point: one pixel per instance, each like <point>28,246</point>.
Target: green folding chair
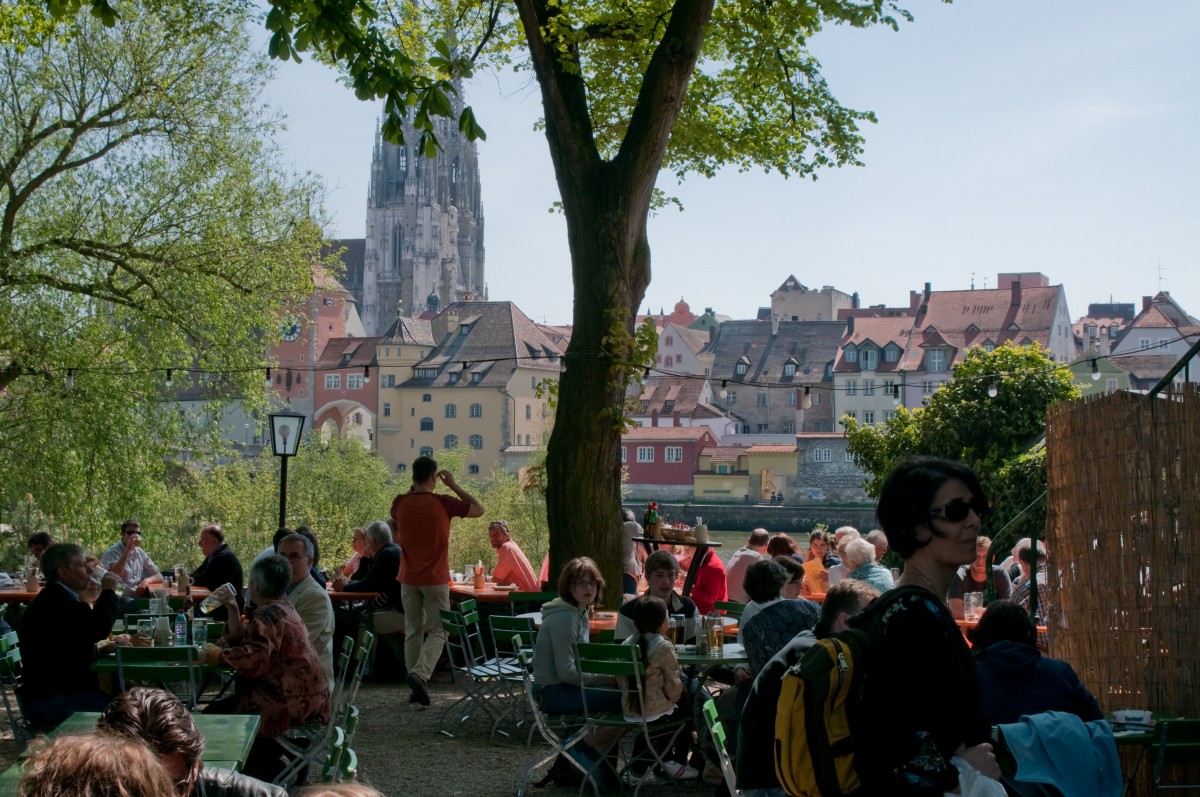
<point>10,681</point>
<point>170,668</point>
<point>730,608</point>
<point>1178,744</point>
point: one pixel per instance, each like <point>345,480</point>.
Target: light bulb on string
<point>268,377</point>
<point>992,391</point>
<point>366,374</point>
<point>70,380</point>
<point>170,381</point>
<point>806,402</point>
<point>1095,370</point>
<point>896,394</point>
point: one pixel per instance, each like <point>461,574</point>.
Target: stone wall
<point>794,520</point>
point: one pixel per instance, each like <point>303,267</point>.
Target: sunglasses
<point>958,509</point>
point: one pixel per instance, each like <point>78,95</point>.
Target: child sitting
<point>662,686</point>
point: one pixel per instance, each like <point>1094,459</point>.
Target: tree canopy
<point>145,225</point>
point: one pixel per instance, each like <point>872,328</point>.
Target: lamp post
<point>285,439</point>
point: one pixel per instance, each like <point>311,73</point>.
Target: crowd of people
<point>281,630</point>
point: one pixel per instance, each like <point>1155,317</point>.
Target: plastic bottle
<point>181,629</point>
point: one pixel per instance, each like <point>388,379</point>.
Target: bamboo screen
<point>1123,509</point>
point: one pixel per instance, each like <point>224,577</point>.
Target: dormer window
<point>891,354</point>
<point>935,360</point>
<point>789,369</point>
<point>453,377</point>
<point>742,366</point>
<point>869,358</point>
<point>851,354</point>
<point>476,377</point>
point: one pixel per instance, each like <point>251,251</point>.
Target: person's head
<point>96,766</point>
<point>1003,621</point>
<point>38,542</point>
<point>843,600</point>
<point>424,470</point>
<point>1029,554</point>
<point>297,550</point>
<point>580,582</point>
<point>65,563</point>
<point>795,572</point>
<point>129,528</point>
<point>211,537</point>
<point>841,533</point>
<point>929,501</point>
<point>161,721</point>
<point>758,540</point>
<point>312,538</point>
<point>764,580</point>
<point>858,553</point>
<point>498,533</point>
<point>649,614</point>
<point>661,569</point>
<point>377,535</point>
<point>781,545</point>
<point>818,544</point>
<point>280,533</point>
<point>357,538</point>
<point>879,540</point>
<point>979,567</point>
<point>351,789</point>
<point>628,516</point>
<point>269,578</point>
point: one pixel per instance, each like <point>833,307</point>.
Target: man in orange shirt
<point>511,565</point>
<point>421,519</point>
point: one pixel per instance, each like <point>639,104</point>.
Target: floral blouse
<point>279,675</point>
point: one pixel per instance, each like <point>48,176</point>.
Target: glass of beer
<point>217,599</point>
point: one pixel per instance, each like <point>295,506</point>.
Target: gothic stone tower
<point>424,227</point>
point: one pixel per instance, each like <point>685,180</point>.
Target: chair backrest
<point>505,629</point>
<point>730,608</point>
<point>523,602</point>
<point>1178,743</point>
<point>349,693</point>
<point>621,662</point>
<point>168,665</point>
<point>10,679</point>
<point>464,638</point>
<point>717,730</point>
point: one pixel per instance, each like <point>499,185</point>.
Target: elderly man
<point>421,518</point>
<point>59,633</point>
<point>735,572</point>
<point>386,615</point>
<point>661,571</point>
<point>159,720</point>
<point>130,561</point>
<point>310,599</point>
<point>220,566</point>
<point>511,565</point>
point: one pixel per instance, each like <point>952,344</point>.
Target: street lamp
<point>285,439</point>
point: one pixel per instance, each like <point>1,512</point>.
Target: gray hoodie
<point>554,654</point>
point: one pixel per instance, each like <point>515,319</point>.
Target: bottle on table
<point>181,630</point>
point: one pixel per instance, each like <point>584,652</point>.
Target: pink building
<point>664,454</point>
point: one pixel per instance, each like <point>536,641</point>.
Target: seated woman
<point>770,620</point>
<point>782,545</point>
<point>662,684</point>
<point>350,570</point>
<point>279,675</point>
<point>1015,679</point>
<point>795,571</point>
<point>860,561</point>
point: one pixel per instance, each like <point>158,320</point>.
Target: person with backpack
<point>922,694</point>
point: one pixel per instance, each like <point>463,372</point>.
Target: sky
<point>1053,136</point>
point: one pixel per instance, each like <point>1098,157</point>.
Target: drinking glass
<point>972,605</point>
<point>98,574</point>
<point>199,632</point>
<point>145,628</point>
<point>217,599</point>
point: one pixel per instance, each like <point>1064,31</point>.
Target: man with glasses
<point>130,562</point>
<point>512,567</point>
<point>310,599</point>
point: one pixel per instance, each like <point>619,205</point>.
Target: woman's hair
<point>158,719</point>
<point>1003,621</point>
<point>781,545</point>
<point>94,766</point>
<point>906,495</point>
<point>340,790</point>
<point>794,569</point>
<point>764,580</point>
<point>819,534</point>
<point>661,560</point>
<point>858,552</point>
<point>648,614</point>
<point>271,575</point>
<point>582,567</point>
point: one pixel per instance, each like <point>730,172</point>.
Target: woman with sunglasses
<point>924,694</point>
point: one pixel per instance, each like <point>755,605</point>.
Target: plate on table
<point>507,587</point>
<point>685,648</point>
<point>605,615</point>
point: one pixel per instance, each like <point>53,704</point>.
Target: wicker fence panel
<point>1123,507</point>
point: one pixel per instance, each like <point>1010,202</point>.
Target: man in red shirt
<point>421,519</point>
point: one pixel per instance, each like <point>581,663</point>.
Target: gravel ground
<point>401,752</point>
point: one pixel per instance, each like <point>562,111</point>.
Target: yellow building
<point>466,378</point>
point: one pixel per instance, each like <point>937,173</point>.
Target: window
<point>476,410</point>
<point>426,397</point>
<point>889,388</point>
<point>868,387</point>
<point>760,398</point>
<point>851,354</point>
<point>476,377</point>
<point>789,427</point>
<point>387,408</point>
<point>740,370</point>
<point>645,454</point>
<point>927,387</point>
<point>354,381</point>
<point>674,454</point>
<point>989,347</point>
<point>731,397</point>
<point>427,451</point>
<point>761,428</point>
<point>333,381</point>
<point>473,470</point>
<point>791,398</point>
<point>849,457</point>
<point>528,412</point>
<point>888,415</point>
<point>853,414</point>
<point>450,441</point>
<point>670,340</point>
<point>412,411</point>
<point>401,467</point>
<point>426,373</point>
<point>454,377</point>
<point>851,387</point>
<point>624,455</point>
<point>869,417</point>
<point>891,354</point>
<point>822,455</point>
<point>1144,343</point>
<point>869,358</point>
<point>427,424</point>
<point>789,369</point>
<point>935,360</point>
<point>451,410</point>
<point>476,442</point>
<point>389,380</point>
<point>1112,386</point>
<point>816,397</point>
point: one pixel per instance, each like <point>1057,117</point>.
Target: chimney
<point>774,325</point>
<point>849,325</point>
<point>928,290</point>
<point>712,333</point>
<point>1016,294</point>
<point>675,419</point>
<point>654,417</point>
<point>854,300</point>
<point>1146,302</point>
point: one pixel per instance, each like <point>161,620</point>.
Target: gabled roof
<point>1162,310</point>
<point>724,453</point>
<point>481,344</point>
<point>348,353</point>
<point>408,331</point>
<point>771,448</point>
<point>658,390</point>
<point>694,339</point>
<point>812,343</point>
<point>877,331</point>
<point>789,285</point>
<point>661,433</point>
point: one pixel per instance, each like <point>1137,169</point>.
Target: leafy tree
<point>627,89</point>
<point>144,225</point>
<point>996,435</point>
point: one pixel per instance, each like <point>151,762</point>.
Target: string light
<point>992,391</point>
<point>268,379</point>
<point>170,381</point>
<point>70,381</point>
<point>366,374</point>
<point>806,402</point>
<point>1095,369</point>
